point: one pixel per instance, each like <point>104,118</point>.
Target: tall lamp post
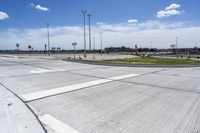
<point>177,47</point>
<point>74,44</point>
<point>101,43</point>
<point>90,47</point>
<point>93,48</point>
<point>150,47</point>
<point>94,44</point>
<point>84,14</point>
<point>48,40</point>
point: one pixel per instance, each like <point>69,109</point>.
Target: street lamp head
<point>89,15</point>
<point>84,11</point>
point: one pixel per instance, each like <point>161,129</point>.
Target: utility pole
<point>177,47</point>
<point>49,52</point>
<point>84,13</point>
<point>150,47</point>
<point>90,47</point>
<point>101,42</point>
<point>93,48</point>
<point>94,43</point>
<point>74,44</point>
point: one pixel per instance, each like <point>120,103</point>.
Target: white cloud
<point>31,4</point>
<point>100,23</point>
<point>162,35</point>
<point>170,11</point>
<point>41,8</point>
<point>132,21</point>
<point>124,27</point>
<point>38,7</point>
<point>3,15</point>
<point>173,7</point>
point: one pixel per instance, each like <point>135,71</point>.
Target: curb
<point>19,117</point>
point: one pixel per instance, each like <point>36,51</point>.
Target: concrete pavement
<point>81,98</point>
<point>15,116</point>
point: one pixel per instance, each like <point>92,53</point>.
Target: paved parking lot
<point>80,98</point>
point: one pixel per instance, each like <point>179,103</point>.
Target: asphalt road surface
<point>40,94</point>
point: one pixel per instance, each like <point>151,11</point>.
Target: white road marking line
<point>124,76</point>
<point>67,62</point>
<point>40,70</point>
<point>56,125</point>
<point>51,92</point>
<point>60,70</point>
<point>45,93</point>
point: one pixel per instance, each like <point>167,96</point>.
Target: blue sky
<point>67,12</point>
<point>21,16</point>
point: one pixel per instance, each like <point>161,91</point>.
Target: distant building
<point>118,49</point>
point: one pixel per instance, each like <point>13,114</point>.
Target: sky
<point>122,22</point>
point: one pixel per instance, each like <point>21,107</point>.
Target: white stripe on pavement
<point>56,125</point>
<point>124,76</point>
<point>41,70</point>
<point>51,92</point>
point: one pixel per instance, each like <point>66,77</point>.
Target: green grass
<point>150,60</point>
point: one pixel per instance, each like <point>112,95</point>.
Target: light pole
<point>94,43</point>
<point>90,47</point>
<point>101,42</point>
<point>93,48</point>
<point>74,44</point>
<point>150,47</point>
<point>177,47</point>
<point>48,40</point>
<point>84,13</point>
